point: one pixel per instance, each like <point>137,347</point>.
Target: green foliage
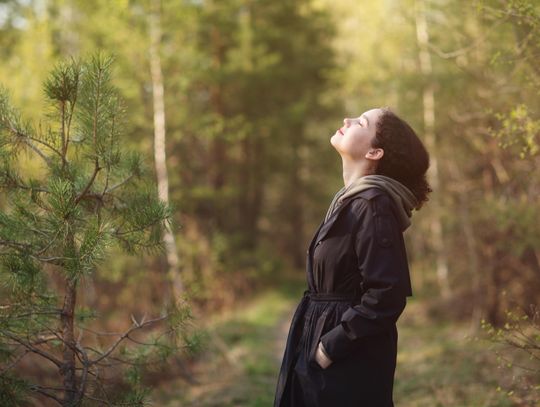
<point>141,228</point>
<point>90,196</point>
<point>14,131</point>
<point>63,85</point>
<point>519,128</point>
<point>521,355</point>
<point>13,391</point>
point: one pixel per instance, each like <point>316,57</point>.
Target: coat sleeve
<point>383,266</point>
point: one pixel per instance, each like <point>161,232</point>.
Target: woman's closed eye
<point>357,121</point>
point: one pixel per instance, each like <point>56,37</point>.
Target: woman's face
<point>354,138</point>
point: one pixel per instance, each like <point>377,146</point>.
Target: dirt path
<point>280,339</point>
<point>241,364</point>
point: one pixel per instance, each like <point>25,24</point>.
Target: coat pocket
<point>316,337</point>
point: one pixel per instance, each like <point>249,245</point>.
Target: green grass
<point>241,364</point>
<point>438,364</point>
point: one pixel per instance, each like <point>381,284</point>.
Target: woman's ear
<point>375,154</point>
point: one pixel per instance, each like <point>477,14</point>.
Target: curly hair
<point>405,158</point>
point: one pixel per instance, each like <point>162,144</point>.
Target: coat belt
<point>314,296</point>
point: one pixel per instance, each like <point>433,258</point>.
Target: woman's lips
<point>340,131</point>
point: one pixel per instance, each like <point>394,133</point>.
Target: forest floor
<point>439,364</point>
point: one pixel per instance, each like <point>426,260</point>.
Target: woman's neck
<point>353,170</point>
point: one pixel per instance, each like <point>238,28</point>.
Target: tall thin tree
<point>428,102</point>
<point>160,157</point>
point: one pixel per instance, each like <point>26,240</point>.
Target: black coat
<point>358,281</point>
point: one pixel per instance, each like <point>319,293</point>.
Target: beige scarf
<point>403,197</point>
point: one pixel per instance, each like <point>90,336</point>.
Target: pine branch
<point>55,260</point>
<point>89,184</point>
<point>16,245</point>
<point>68,130</point>
<point>10,120</point>
<point>28,141</point>
<point>49,244</point>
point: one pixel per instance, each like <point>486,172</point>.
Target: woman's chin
<point>334,141</point>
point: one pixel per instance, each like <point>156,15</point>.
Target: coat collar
<point>323,228</point>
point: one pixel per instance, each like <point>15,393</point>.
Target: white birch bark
<point>160,159</point>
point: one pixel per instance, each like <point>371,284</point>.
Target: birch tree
<point>160,157</point>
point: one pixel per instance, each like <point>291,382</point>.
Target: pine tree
<point>90,195</point>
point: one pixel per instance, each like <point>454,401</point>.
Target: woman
<point>342,344</point>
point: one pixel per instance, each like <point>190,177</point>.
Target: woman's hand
<point>320,356</point>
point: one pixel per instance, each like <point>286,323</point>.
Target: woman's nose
<point>346,122</point>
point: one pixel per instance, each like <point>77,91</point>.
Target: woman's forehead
<point>372,112</point>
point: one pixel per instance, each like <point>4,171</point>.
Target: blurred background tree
<point>254,89</point>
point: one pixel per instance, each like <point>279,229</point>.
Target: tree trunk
<point>173,263</point>
<point>295,212</point>
<point>494,292</point>
<point>428,99</point>
<point>471,244</point>
<point>219,153</point>
<point>245,204</point>
<point>67,370</point>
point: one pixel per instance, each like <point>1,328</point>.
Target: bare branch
<point>86,396</point>
<point>41,390</point>
<point>118,185</point>
<point>464,50</point>
<point>37,151</point>
<point>29,314</point>
<point>41,141</point>
<point>14,362</point>
<point>37,140</point>
<point>100,333</point>
<point>101,388</point>
<point>27,139</point>
<point>32,348</point>
<point>22,186</point>
<point>124,336</point>
<point>134,321</point>
<point>84,376</point>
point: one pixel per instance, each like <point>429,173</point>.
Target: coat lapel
<point>321,232</point>
<point>314,238</point>
<point>325,227</point>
